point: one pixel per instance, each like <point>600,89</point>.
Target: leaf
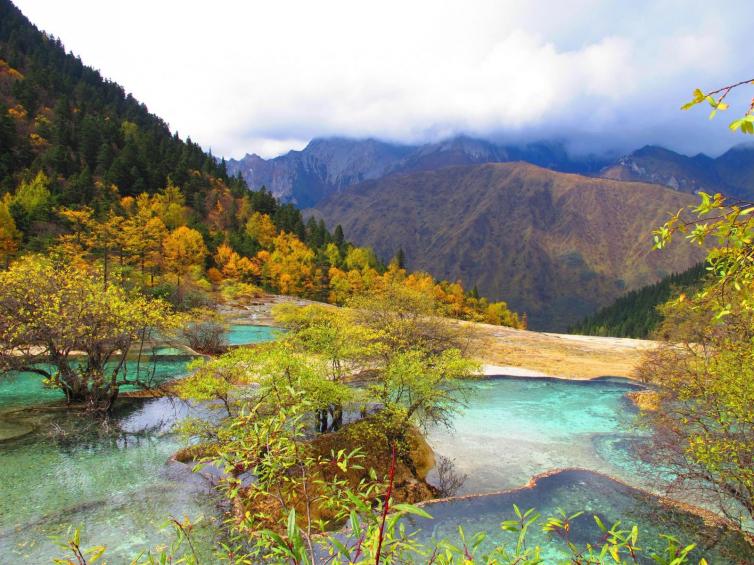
<point>96,552</point>
<point>292,529</point>
<point>600,525</point>
<point>411,509</point>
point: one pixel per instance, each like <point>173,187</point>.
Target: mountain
<point>61,116</point>
<point>732,173</point>
<point>331,165</point>
<point>557,246</point>
<point>324,166</point>
<point>88,173</point>
<point>635,314</point>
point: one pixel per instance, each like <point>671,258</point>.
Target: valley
<point>360,343</point>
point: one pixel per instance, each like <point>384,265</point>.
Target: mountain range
<point>557,236</point>
<point>331,165</point>
<point>554,245</point>
<point>732,173</point>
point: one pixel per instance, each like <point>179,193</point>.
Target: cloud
<point>268,76</point>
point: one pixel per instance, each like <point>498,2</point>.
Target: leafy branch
<point>716,100</point>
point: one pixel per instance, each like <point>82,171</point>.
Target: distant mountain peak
<point>731,173</point>
<point>328,165</point>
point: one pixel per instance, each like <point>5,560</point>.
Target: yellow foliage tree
<point>261,227</point>
<point>144,233</point>
<point>184,248</point>
<point>291,267</point>
<point>51,313</point>
<point>360,258</point>
<point>9,234</point>
<point>171,206</point>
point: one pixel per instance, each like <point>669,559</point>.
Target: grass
<point>561,355</point>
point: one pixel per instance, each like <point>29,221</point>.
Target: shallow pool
<point>245,334</point>
<point>515,428</point>
<point>114,481</point>
<point>24,389</point>
<point>580,491</point>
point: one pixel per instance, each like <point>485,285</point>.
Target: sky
<point>266,77</point>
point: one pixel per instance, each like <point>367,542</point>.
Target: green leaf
<point>411,509</point>
<point>600,525</point>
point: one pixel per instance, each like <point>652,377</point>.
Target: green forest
<point>636,313</point>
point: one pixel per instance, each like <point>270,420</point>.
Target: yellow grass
<point>559,355</point>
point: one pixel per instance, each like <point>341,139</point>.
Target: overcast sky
<point>266,77</point>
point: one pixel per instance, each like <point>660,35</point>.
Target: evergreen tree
<point>338,238</point>
<point>635,314</point>
<point>400,258</point>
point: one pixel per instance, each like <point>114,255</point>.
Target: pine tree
<point>338,238</point>
<point>400,258</point>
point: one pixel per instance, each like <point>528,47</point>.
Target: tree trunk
<point>337,417</point>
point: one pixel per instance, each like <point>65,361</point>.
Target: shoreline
<point>516,372</point>
<point>709,517</point>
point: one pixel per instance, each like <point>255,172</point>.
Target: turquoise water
<point>25,389</point>
<point>244,334</point>
<point>514,429</point>
<point>576,491</point>
<point>114,481</point>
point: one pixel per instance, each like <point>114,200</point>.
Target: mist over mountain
<point>330,165</point>
<point>732,173</point>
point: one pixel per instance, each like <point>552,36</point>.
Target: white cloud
<point>267,76</point>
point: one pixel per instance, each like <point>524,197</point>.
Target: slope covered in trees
<point>88,175</point>
<point>557,246</point>
<point>636,314</point>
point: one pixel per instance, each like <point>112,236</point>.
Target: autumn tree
<point>50,313</point>
<point>703,374</point>
<point>261,228</point>
<point>170,205</point>
<point>703,370</point>
<point>360,258</point>
<point>9,235</point>
<point>144,233</point>
<point>32,201</point>
<point>184,248</point>
<point>89,237</point>
<point>234,267</point>
<point>330,334</point>
<point>291,266</point>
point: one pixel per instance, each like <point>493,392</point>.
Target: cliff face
<point>325,166</point>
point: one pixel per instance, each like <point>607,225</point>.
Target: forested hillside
<point>89,175</point>
<point>636,314</point>
<point>557,246</point>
